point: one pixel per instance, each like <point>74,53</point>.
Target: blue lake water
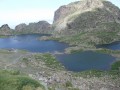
<point>86,60</point>
<point>73,62</point>
<point>31,43</point>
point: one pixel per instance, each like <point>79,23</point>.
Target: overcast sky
<point>14,12</point>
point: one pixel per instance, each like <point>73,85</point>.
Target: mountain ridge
<point>5,30</point>
<point>42,27</point>
<point>64,16</point>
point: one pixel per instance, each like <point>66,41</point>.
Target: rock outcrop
<point>86,15</point>
<point>20,27</point>
<point>42,27</point>
<point>5,30</point>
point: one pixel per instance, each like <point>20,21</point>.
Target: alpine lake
<point>80,61</point>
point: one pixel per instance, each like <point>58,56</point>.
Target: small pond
<point>86,60</point>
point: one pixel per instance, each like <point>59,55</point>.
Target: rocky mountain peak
<point>20,26</point>
<point>91,3</point>
<point>5,30</point>
<point>88,3</point>
<point>85,14</point>
<point>5,27</point>
<point>36,27</point>
<point>80,6</point>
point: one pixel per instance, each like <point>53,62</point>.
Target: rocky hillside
<point>5,30</point>
<point>50,73</point>
<point>39,27</point>
<point>94,21</point>
<point>86,15</point>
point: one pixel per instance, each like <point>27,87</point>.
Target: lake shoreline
<point>77,49</point>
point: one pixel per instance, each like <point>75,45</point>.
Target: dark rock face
<point>5,27</point>
<point>62,12</point>
<point>42,27</point>
<point>20,27</point>
<point>5,30</point>
<point>85,15</point>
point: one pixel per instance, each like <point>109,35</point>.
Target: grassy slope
<point>11,80</point>
<point>94,37</point>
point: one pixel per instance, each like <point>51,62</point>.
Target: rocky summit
<point>87,22</point>
<point>40,27</point>
<point>86,15</point>
<point>5,30</point>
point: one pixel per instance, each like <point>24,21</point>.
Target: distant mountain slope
<point>42,27</point>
